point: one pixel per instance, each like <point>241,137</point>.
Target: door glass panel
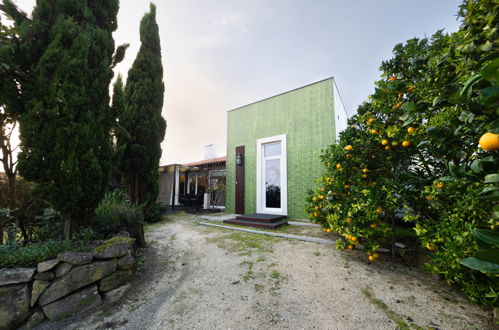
<point>273,183</point>
<point>272,149</point>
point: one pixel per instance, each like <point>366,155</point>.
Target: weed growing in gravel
<point>397,318</point>
<point>249,272</point>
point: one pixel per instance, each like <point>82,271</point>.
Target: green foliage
<point>67,48</point>
<point>15,255</point>
<point>413,149</point>
<point>155,213</point>
<point>115,213</point>
<point>141,118</point>
<point>487,258</point>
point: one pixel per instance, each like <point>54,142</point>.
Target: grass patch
<point>243,244</point>
<point>249,272</point>
<point>275,274</point>
<point>173,237</point>
<point>397,318</point>
<point>317,253</point>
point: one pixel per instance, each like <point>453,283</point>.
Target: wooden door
<point>240,181</point>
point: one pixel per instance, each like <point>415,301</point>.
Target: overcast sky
<point>222,54</point>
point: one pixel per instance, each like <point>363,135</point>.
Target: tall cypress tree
<point>65,142</point>
<point>142,118</point>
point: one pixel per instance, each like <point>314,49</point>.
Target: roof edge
<point>289,91</point>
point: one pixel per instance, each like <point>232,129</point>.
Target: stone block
<point>126,262</point>
<point>16,275</point>
<point>114,248</point>
<point>77,302</point>
<point>62,269</point>
<point>114,280</point>
<point>37,290</point>
<point>14,305</point>
<point>47,265</point>
<point>35,319</point>
<point>116,294</point>
<point>45,276</point>
<point>75,258</point>
<point>78,277</point>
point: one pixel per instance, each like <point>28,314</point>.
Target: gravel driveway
<point>197,277</point>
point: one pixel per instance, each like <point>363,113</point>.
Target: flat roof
<point>289,91</point>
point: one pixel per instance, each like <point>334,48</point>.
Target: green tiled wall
<point>306,116</point>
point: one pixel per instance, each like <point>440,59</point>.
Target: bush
<point>413,148</point>
<point>116,213</point>
<point>155,213</point>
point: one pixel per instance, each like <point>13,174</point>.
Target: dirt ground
<point>197,277</point>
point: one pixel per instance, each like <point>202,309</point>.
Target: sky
<point>222,54</point>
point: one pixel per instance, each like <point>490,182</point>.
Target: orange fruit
<point>411,88</point>
<point>374,131</point>
<point>338,166</point>
<point>365,170</point>
<point>348,148</point>
<point>406,143</point>
<point>314,198</point>
<point>373,225</point>
<point>328,230</point>
<point>431,247</point>
<point>411,130</point>
<point>324,229</point>
<point>321,197</point>
<point>371,258</point>
<point>489,141</point>
<point>398,105</point>
<point>387,148</point>
<point>440,185</point>
<point>350,247</point>
<point>365,176</point>
<point>347,186</point>
<point>376,256</point>
<point>370,121</point>
<point>353,239</point>
<point>384,142</point>
<point>392,78</point>
<point>378,210</point>
<point>348,155</point>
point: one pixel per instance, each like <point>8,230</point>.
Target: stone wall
<point>73,283</point>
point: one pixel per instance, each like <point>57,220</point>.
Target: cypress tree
<point>65,126</point>
<point>142,118</point>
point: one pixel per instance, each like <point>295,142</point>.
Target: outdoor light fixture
<point>239,159</point>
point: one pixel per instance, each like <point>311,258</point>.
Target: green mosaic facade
<point>306,116</point>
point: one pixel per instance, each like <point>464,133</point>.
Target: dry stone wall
<point>72,283</point>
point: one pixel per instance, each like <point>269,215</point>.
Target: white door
<point>271,175</point>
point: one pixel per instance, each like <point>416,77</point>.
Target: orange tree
<point>413,148</point>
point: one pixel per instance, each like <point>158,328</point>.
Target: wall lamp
<point>239,159</point>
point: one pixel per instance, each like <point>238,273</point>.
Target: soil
<point>197,277</point>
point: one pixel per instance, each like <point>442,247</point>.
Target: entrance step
<point>260,217</point>
<point>257,224</point>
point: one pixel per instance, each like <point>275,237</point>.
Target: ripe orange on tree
<point>392,78</point>
<point>348,147</point>
<point>489,141</point>
<point>387,148</point>
<point>374,131</point>
<point>406,143</point>
<point>384,142</point>
<point>371,258</point>
<point>338,166</point>
<point>411,130</point>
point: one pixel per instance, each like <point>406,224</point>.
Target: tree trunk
<point>66,228</point>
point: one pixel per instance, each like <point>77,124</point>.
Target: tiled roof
<point>208,161</point>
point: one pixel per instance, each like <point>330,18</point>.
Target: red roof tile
<point>208,161</point>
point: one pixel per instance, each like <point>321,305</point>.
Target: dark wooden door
<point>240,182</point>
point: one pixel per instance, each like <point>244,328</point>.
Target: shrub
<point>116,213</point>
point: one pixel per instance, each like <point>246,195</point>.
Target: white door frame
<point>260,185</point>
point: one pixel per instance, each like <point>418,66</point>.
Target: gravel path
<point>198,277</point>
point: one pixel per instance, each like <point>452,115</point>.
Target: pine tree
<point>142,118</point>
<point>66,123</point>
